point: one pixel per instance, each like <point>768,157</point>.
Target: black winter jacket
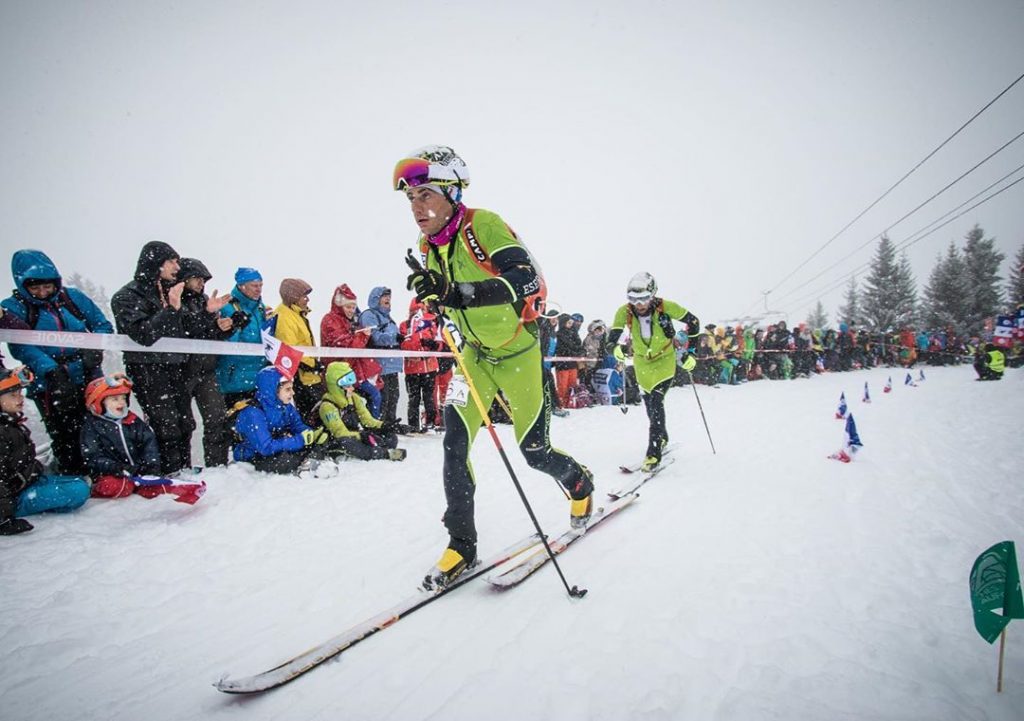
<point>201,325</point>
<point>141,311</point>
<point>568,344</point>
<point>112,447</point>
<point>18,465</point>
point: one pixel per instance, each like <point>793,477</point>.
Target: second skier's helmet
<point>436,165</point>
<point>641,288</point>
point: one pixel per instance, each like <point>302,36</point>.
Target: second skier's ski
<point>646,476</point>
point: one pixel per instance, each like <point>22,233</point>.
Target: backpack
<point>531,306</point>
<point>62,299</point>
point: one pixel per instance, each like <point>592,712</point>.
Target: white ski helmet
<point>436,165</point>
<point>641,288</point>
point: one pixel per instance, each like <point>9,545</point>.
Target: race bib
<point>458,391</point>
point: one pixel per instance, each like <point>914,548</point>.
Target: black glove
<point>432,287</point>
<point>239,319</point>
<point>389,426</point>
<point>61,391</point>
<point>399,338</point>
<point>92,361</point>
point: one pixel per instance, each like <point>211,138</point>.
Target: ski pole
<point>446,333</point>
<point>694,386</point>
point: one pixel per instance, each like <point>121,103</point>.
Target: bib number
<point>458,391</point>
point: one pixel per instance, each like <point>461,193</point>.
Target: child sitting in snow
<point>24,489</point>
<point>354,431</point>
<point>120,449</point>
<point>273,436</point>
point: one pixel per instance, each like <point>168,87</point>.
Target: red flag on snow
<point>285,358</point>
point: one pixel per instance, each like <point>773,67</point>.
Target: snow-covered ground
<point>764,582</point>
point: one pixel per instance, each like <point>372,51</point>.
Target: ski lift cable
<point>900,181</point>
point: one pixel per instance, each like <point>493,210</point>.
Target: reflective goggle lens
<point>349,379</point>
<point>21,378</point>
<point>411,172</point>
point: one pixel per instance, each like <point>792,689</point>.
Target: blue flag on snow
<point>852,437</point>
<point>867,396</point>
<point>909,381</point>
<point>841,411</point>
<point>921,377</point>
<point>851,442</point>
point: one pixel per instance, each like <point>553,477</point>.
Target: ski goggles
<point>348,380</point>
<point>117,380</point>
<point>413,172</point>
<point>638,297</point>
<point>18,379</point>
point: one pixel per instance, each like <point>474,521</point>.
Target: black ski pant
<point>420,386</point>
<point>528,397</point>
<point>163,393</point>
<point>284,462</point>
<point>204,389</point>
<point>389,397</point>
<point>657,434</point>
<point>355,448</point>
<point>550,390</point>
<point>63,422</point>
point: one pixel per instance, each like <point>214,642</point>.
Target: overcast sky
<point>714,144</point>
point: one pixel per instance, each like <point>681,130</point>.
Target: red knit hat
<point>347,292</point>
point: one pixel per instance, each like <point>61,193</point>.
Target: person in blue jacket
<point>384,334</point>
<point>41,300</point>
<point>236,374</point>
<point>273,436</point>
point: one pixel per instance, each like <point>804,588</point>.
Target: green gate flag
<point>995,583</point>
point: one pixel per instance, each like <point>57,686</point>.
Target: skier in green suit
<point>488,285</point>
<point>649,320</point>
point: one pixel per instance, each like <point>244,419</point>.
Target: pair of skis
<point>528,555</point>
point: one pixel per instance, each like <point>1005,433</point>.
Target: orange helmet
<point>113,385</point>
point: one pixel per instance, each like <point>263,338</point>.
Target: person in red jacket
<point>420,334</point>
<point>340,329</point>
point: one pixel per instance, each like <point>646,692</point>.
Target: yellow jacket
<point>293,328</point>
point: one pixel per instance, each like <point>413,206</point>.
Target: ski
<point>636,466</point>
<point>665,462</point>
<point>529,564</point>
<point>295,667</point>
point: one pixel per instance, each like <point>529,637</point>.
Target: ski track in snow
<point>764,582</point>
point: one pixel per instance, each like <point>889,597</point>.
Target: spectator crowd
<point>328,408</point>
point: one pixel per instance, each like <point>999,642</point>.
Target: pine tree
<point>906,295</point>
<point>818,319</point>
<point>97,294</point>
<point>1015,283</point>
<point>947,295</point>
<point>890,296</point>
<point>849,313</point>
<point>982,262</point>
